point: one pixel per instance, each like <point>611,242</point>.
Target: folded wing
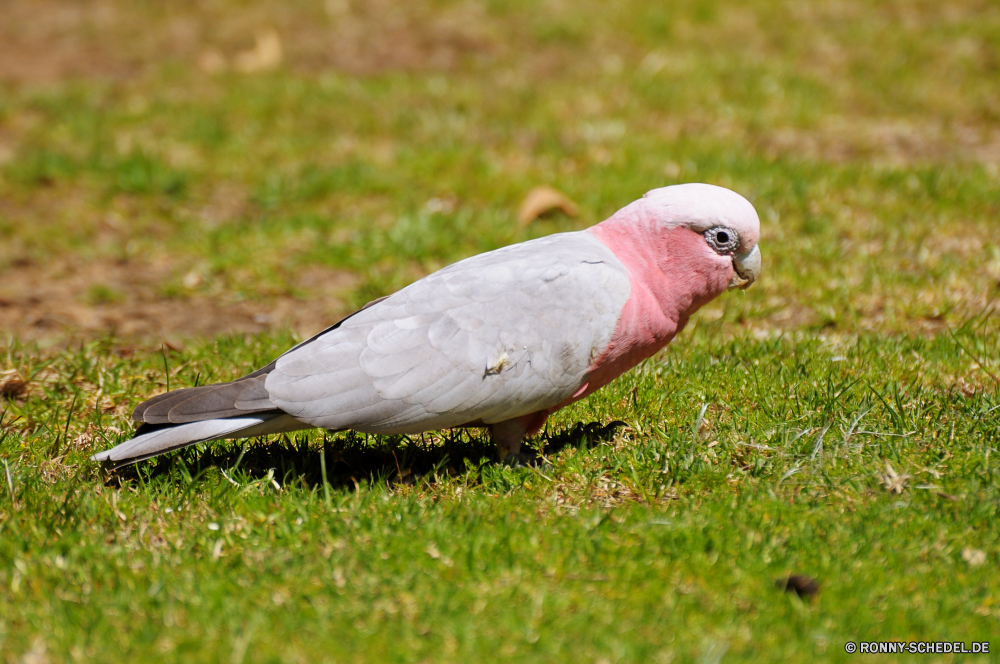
<point>490,338</point>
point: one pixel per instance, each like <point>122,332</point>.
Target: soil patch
<point>64,301</point>
<point>46,42</point>
<point>889,142</point>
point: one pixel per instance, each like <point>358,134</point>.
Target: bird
<point>499,340</point>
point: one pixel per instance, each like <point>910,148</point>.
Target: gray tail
<point>241,397</point>
<point>154,440</point>
<point>239,409</point>
<point>184,417</point>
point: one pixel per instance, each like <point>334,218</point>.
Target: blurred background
<point>180,169</point>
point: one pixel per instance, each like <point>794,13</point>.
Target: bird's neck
<point>672,271</point>
<point>671,277</point>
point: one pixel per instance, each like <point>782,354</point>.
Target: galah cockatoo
<point>499,340</point>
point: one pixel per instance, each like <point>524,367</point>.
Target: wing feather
<point>492,337</point>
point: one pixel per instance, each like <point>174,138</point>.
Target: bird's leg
<point>509,434</point>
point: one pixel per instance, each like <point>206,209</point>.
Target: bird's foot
<point>515,459</point>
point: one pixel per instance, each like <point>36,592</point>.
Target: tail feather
<point>179,418</point>
<point>152,441</point>
<point>241,397</point>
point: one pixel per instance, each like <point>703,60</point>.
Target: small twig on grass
<point>756,446</point>
<point>880,433</point>
<point>543,475</point>
<point>818,447</point>
<point>803,432</point>
<point>696,430</point>
<point>10,483</point>
<point>399,471</point>
<point>231,480</point>
<point>854,425</point>
<point>788,474</point>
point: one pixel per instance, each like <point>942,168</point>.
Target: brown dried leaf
<point>542,200</point>
<point>12,385</point>
<point>800,584</point>
<point>266,54</point>
<point>85,441</point>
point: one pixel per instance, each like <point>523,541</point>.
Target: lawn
<point>188,189</point>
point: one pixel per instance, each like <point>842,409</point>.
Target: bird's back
<point>495,336</point>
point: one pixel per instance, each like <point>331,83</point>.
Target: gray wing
<point>495,336</point>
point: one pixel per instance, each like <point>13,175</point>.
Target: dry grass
<point>240,167</point>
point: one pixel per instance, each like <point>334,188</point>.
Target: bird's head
<point>727,222</point>
<point>682,246</point>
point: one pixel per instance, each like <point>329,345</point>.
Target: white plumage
<point>500,340</point>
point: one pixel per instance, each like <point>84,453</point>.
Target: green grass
<point>864,134</point>
<point>660,542</point>
<point>840,419</point>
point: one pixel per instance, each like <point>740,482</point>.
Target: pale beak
<point>747,268</point>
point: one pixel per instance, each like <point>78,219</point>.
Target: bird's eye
<point>723,240</point>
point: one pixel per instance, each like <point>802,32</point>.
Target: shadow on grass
<point>350,459</point>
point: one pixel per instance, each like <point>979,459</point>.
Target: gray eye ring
<point>723,240</point>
